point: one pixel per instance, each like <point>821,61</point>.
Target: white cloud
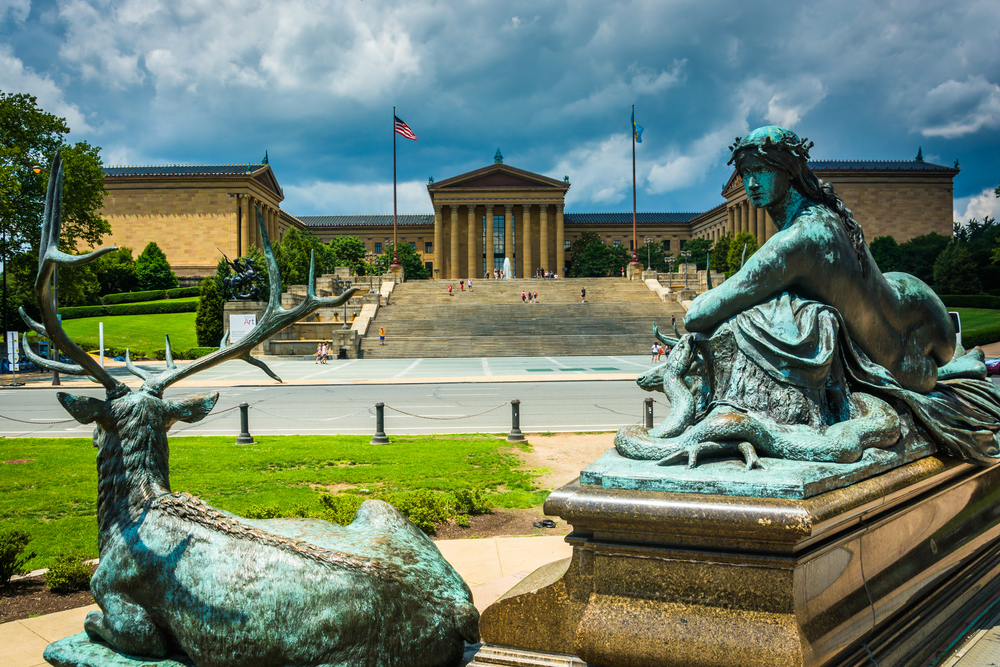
<point>957,108</point>
<point>16,78</point>
<point>331,198</point>
<point>977,206</point>
<point>600,171</point>
<point>787,107</point>
<point>642,81</point>
<point>18,9</point>
<point>682,169</point>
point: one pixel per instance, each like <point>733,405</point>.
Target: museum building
<point>483,216</point>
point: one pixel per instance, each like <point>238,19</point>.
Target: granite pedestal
<point>888,568</point>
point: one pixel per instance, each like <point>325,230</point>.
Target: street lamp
<point>35,169</point>
<point>648,240</point>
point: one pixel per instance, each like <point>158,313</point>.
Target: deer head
<point>138,421</point>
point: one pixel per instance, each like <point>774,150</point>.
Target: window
<point>413,244</point>
<point>666,246</point>
<point>378,247</point>
<point>430,267</point>
<point>631,244</point>
<point>682,244</point>
<point>428,247</point>
<point>567,245</point>
<point>618,244</point>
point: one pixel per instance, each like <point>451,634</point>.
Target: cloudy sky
<point>550,83</point>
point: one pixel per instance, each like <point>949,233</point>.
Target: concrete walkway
<point>490,566</point>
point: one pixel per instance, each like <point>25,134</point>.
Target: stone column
<point>745,216</point>
<point>254,228</point>
<point>244,225</point>
<point>508,232</point>
<point>475,243</point>
<point>489,238</point>
<point>543,249</point>
<point>527,266</point>
<point>438,243</point>
<point>769,228</point>
<point>560,242</point>
<point>753,220</point>
<point>761,226</point>
<point>453,267</point>
<point>732,221</point>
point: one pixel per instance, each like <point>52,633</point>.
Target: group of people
<point>322,353</point>
<point>529,297</point>
<point>542,273</point>
<point>658,351</point>
<point>497,274</point>
<point>461,285</point>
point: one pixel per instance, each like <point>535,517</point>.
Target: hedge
<point>151,295</point>
<point>193,353</point>
<point>986,337</point>
<point>183,292</point>
<point>134,297</point>
<point>149,308</point>
<point>971,301</point>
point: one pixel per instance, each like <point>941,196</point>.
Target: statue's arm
<point>767,273</point>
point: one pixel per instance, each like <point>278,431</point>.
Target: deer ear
<point>192,408</point>
<point>83,408</point>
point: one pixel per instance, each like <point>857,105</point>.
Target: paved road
<point>545,406</point>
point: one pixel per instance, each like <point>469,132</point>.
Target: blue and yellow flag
<point>636,130</point>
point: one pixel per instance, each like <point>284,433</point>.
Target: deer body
<point>176,573</point>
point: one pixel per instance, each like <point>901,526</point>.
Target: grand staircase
<point>422,320</point>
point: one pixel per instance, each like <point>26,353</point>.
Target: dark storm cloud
<point>551,84</point>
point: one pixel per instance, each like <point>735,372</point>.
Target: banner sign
<point>13,358</point>
<point>240,326</point>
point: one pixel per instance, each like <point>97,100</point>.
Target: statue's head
<point>770,160</point>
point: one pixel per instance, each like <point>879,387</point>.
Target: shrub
<point>340,508</point>
<point>971,301</point>
<point>183,292</point>
<point>199,352</point>
<point>134,297</point>
<point>153,270</point>
<point>955,272</point>
<point>275,512</point>
<point>208,321</point>
<point>985,337</point>
<point>425,508</point>
<point>472,501</point>
<point>151,308</point>
<point>68,574</point>
<point>72,312</point>
<point>12,557</point>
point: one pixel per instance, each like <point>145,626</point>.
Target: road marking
<point>554,361</point>
<point>408,369</point>
<point>486,368</point>
<point>626,361</point>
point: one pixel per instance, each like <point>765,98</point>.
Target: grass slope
<point>139,332</point>
<point>975,320</point>
<point>54,497</point>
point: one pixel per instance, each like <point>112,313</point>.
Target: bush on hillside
<point>955,272</point>
<point>208,322</point>
<point>183,292</point>
<point>984,337</point>
<point>971,301</point>
<point>152,308</point>
<point>735,259</point>
<point>12,556</point>
<point>68,574</point>
<point>115,272</point>
<point>73,312</point>
<point>134,297</point>
<point>153,270</point>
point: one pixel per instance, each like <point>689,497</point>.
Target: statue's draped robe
<point>795,341</point>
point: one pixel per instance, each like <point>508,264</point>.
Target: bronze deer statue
<point>177,575</point>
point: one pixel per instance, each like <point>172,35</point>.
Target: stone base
<point>78,651</point>
<point>892,565</point>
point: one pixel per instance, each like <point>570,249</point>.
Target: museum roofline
<point>878,165</point>
<point>245,169</point>
<point>418,219</point>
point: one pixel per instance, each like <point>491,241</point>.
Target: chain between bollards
<point>380,436</point>
<point>244,438</point>
<point>647,411</point>
<point>515,434</point>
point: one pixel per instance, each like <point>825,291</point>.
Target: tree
<point>981,240</point>
<point>955,272</point>
<point>699,251</point>
<point>293,253</point>
<point>886,253</point>
<point>222,271</point>
<point>413,267</point>
<point>736,259</point>
<point>917,256</point>
<point>349,251</point>
<point>153,270</point>
<point>115,272</point>
<point>208,319</point>
<point>584,240</point>
<point>720,253</point>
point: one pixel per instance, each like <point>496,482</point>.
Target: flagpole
<point>395,253</point>
<point>635,236</point>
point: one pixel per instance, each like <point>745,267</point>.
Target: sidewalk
<point>490,566</point>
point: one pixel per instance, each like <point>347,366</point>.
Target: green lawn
<point>975,320</point>
<point>139,332</point>
<point>54,497</point>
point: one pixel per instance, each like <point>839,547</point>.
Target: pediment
<point>266,178</point>
<point>734,183</point>
<point>499,176</point>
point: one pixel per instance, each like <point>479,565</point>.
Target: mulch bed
<point>27,598</point>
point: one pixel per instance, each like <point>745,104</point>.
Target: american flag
<point>404,129</point>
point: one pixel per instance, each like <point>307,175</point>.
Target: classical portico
<point>497,212</point>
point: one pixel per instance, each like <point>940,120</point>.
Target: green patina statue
<point>809,352</point>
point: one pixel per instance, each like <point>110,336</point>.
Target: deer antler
<point>274,319</point>
<point>49,258</point>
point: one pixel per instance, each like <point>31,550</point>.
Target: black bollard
<point>647,410</point>
<point>515,434</point>
<point>380,436</point>
<point>244,438</point>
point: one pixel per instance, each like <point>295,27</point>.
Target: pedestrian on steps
<point>470,284</point>
<point>450,291</point>
<point>536,296</point>
<point>381,335</point>
<point>523,296</point>
<point>461,284</point>
<point>583,295</point>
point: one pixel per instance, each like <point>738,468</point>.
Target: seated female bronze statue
<point>809,352</point>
